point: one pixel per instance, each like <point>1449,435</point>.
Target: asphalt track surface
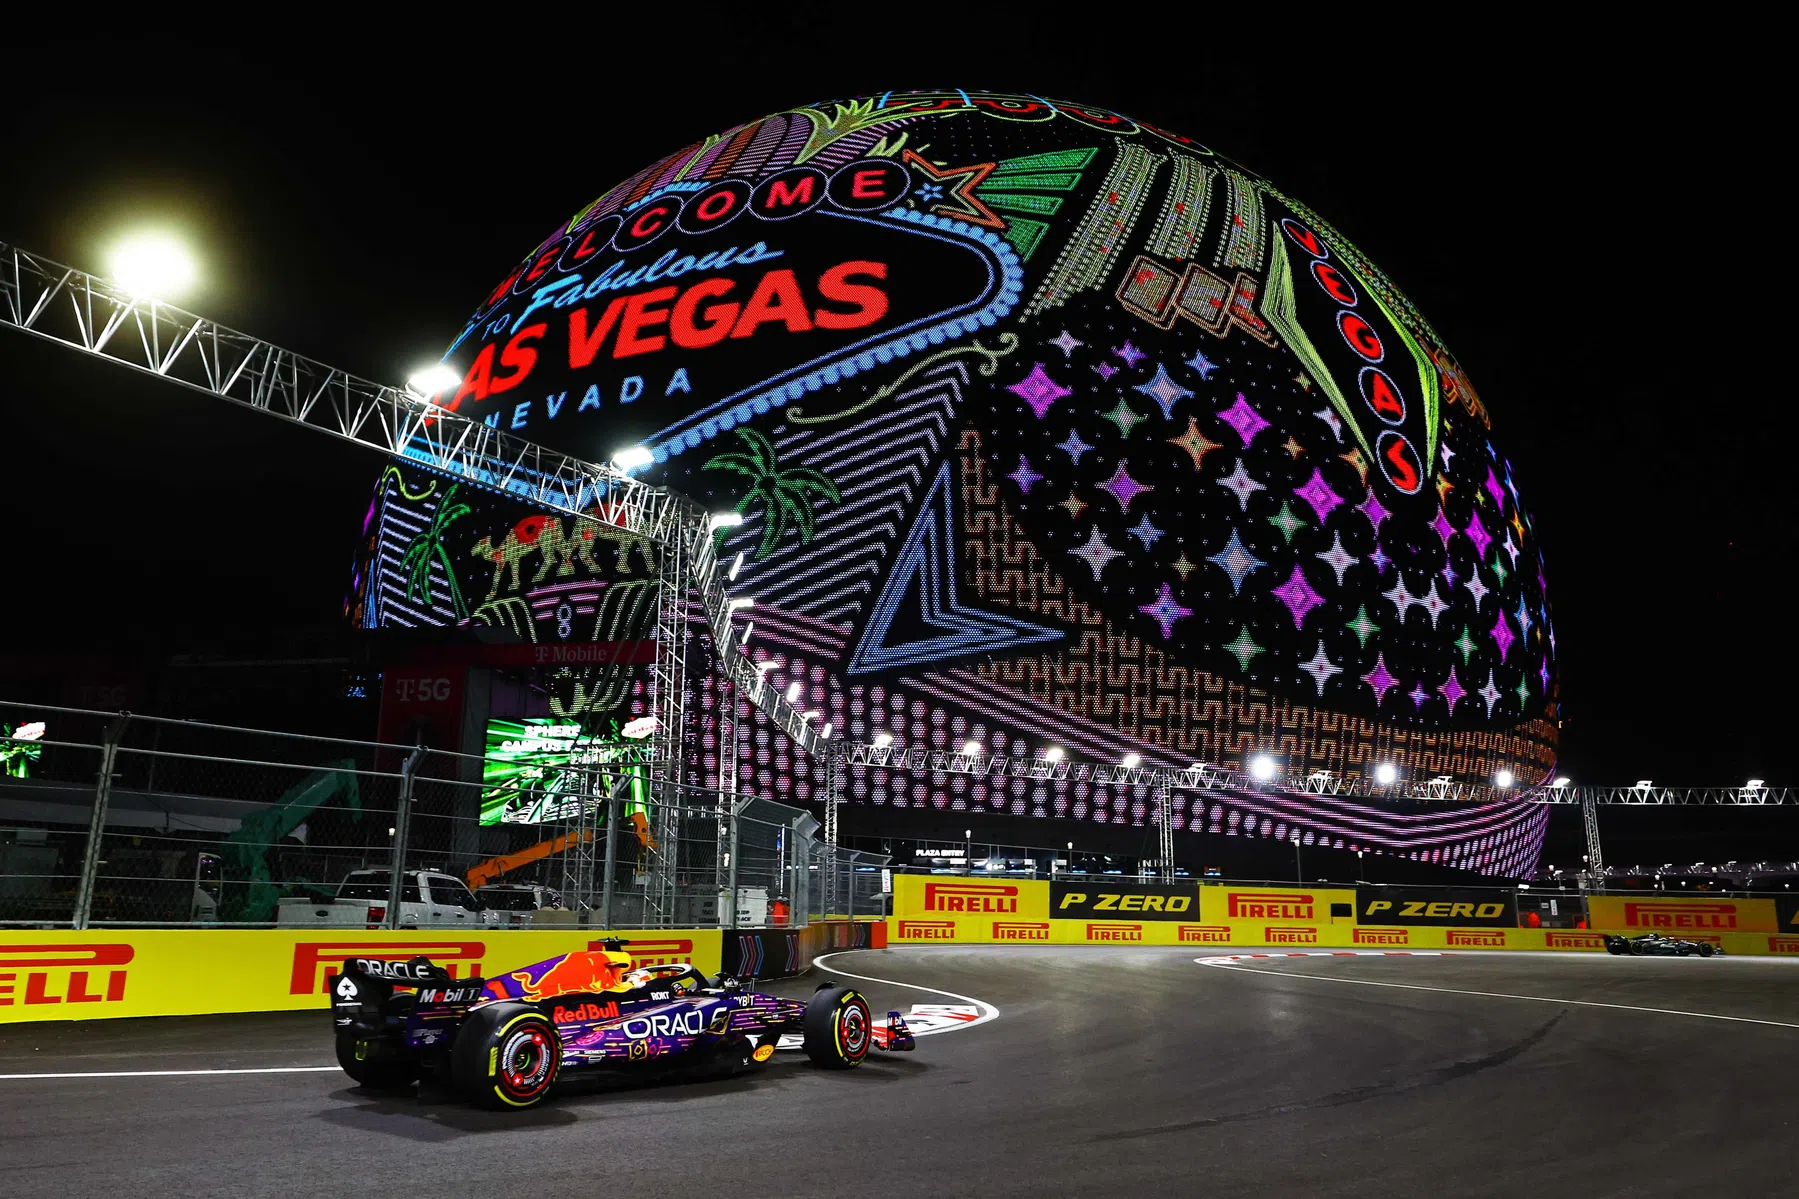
<point>1107,1071</point>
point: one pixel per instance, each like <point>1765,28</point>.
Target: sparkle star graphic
<point>1465,644</point>
<point>1543,673</point>
<point>1329,417</point>
<point>1446,455</point>
<point>1074,447</point>
<point>1182,567</point>
<point>1075,505</point>
<point>1511,550</point>
<point>1038,390</point>
<point>1124,418</point>
<point>1338,558</point>
<point>1286,522</point>
<point>1164,391</point>
<point>1401,598</point>
<point>1244,419</point>
<point>1320,667</point>
<point>1205,366</point>
<point>1293,448</point>
<point>1066,343</point>
<point>1239,482</point>
<point>1298,595</point>
<point>1124,489</point>
<point>1489,693</point>
<point>1165,611</point>
<point>1130,354</point>
<point>1379,560</point>
<point>1442,528</point>
<point>1304,381</point>
<point>1195,443</point>
<point>1024,476</point>
<point>1477,533</point>
<point>1244,647</point>
<point>1319,495</point>
<point>1373,510</point>
<point>1492,486</point>
<point>1236,562</point>
<point>1452,691</point>
<point>1096,553</point>
<point>1417,695</point>
<point>1502,636</point>
<point>1105,370</point>
<point>1523,690</point>
<point>1355,459</point>
<point>1433,603</point>
<point>1524,621</point>
<point>1145,532</point>
<point>1381,679</point>
<point>1362,627</point>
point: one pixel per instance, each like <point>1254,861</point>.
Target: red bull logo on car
<point>566,974</point>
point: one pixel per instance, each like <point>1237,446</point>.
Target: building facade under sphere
<point>1047,426</point>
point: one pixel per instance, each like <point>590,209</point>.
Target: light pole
<point>967,851</point>
<point>1298,872</point>
<point>1358,865</point>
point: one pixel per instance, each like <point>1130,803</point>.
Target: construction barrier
<point>947,909</point>
<point>63,975</point>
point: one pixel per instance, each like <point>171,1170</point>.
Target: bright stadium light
<point>826,731</point>
<point>970,748</point>
<point>633,457</point>
<point>764,666</point>
<point>793,692</point>
<point>723,520</point>
<point>433,379</point>
<point>1753,785</point>
<point>811,714</point>
<point>1560,782</point>
<point>883,740</point>
<point>1199,766</point>
<point>1644,784</point>
<point>736,566</point>
<point>1503,778</point>
<point>742,601</point>
<point>1132,761</point>
<point>1261,767</point>
<point>1053,754</point>
<point>152,266</point>
<point>1385,774</point>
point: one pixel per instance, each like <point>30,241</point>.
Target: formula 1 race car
<point>1656,945</point>
<point>503,1042</point>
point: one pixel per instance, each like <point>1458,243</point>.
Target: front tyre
<point>506,1057</point>
<point>838,1028</point>
<point>367,1069</point>
<point>1706,950</point>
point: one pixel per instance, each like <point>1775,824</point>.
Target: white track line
<point>1622,1007</point>
<point>988,1011</point>
<point>175,1073</point>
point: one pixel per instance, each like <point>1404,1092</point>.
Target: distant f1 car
<point>503,1042</point>
<point>1656,945</point>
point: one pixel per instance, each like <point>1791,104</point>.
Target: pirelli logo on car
<point>1475,938</point>
<point>1779,944</point>
<point>970,898</point>
<point>1559,939</point>
<point>927,930</point>
<point>1279,935</point>
<point>1021,930</point>
<point>1204,934</point>
<point>1380,936</point>
<point>1115,932</point>
<point>1270,905</point>
<point>313,960</point>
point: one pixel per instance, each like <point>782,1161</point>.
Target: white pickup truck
<point>427,898</point>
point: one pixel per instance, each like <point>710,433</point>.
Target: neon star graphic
<point>1129,353</point>
<point>956,190</point>
<point>1489,693</point>
<point>1465,644</point>
<point>1362,627</point>
<point>1304,380</point>
<point>1381,679</point>
<point>1075,505</point>
<point>1239,482</point>
<point>1523,690</point>
<point>1417,695</point>
<point>1074,447</point>
<point>1373,510</point>
<point>1511,550</point>
<point>1499,570</point>
<point>1293,448</point>
<point>1195,443</point>
<point>1236,562</point>
<point>1205,366</point>
<point>1543,673</point>
<point>1442,528</point>
<point>1105,370</point>
<point>1319,495</point>
<point>1492,486</point>
<point>1433,603</point>
<point>1448,575</point>
<point>1355,459</point>
<point>1452,691</point>
<point>1477,533</point>
<point>1379,560</point>
<point>1244,419</point>
<point>1124,418</point>
<point>1338,558</point>
<point>1244,647</point>
<point>1329,417</point>
<point>1096,553</point>
<point>1183,568</point>
<point>1124,489</point>
<point>1164,391</point>
<point>1165,611</point>
<point>1024,476</point>
<point>1446,455</point>
<point>1320,667</point>
<point>1502,636</point>
<point>1524,621</point>
<point>1401,598</point>
<point>1286,522</point>
<point>1066,343</point>
<point>1298,595</point>
<point>1039,390</point>
<point>1444,487</point>
<point>1145,532</point>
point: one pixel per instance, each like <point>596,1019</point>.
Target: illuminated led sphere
<point>1048,426</point>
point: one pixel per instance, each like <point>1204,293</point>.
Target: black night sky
<point>1578,226</point>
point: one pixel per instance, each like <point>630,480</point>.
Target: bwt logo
<point>1270,905</point>
<point>969,897</point>
<point>664,952</point>
<point>1204,934</point>
<point>1380,936</point>
<point>927,930</point>
<point>1291,936</point>
<point>1476,938</point>
<point>1020,930</point>
<point>313,960</point>
<point>1680,915</point>
<point>61,973</point>
<point>1560,940</point>
<point>1115,932</point>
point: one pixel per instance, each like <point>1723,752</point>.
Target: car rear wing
<point>361,991</point>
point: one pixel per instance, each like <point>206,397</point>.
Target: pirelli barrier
<point>943,909</point>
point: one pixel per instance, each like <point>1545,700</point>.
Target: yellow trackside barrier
<point>183,972</point>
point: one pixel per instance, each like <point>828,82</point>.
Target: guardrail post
<point>96,829</point>
<point>609,872</point>
<point>402,827</point>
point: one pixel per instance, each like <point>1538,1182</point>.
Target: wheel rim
<point>853,1026</point>
<point>527,1062</point>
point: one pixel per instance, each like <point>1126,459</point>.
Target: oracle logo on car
<point>1270,905</point>
<point>1290,936</point>
<point>927,930</point>
<point>1115,932</point>
<point>970,897</point>
<point>1680,915</point>
<point>1380,936</point>
<point>313,960</point>
<point>61,973</point>
<point>1020,930</point>
<point>1554,939</point>
<point>1473,938</point>
<point>1203,934</point>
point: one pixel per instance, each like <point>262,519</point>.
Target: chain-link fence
<point>108,819</point>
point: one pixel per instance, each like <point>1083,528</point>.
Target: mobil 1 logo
<point>1147,901</point>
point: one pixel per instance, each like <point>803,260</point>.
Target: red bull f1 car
<point>503,1042</point>
<point>1656,945</point>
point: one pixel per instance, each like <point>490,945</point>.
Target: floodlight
<point>971,748</point>
<point>1560,782</point>
<point>1644,784</point>
<point>793,692</point>
<point>152,266</point>
<point>1198,766</point>
<point>826,731</point>
<point>749,626</point>
<point>764,666</point>
<point>433,379</point>
<point>1132,761</point>
<point>723,520</point>
<point>883,740</point>
<point>1503,778</point>
<point>633,457</point>
<point>742,601</point>
<point>1053,754</point>
<point>1262,767</point>
<point>1754,785</point>
<point>736,566</point>
<point>1385,774</point>
<point>811,714</point>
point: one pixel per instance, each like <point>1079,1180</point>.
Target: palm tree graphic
<point>784,494</point>
<point>428,546</point>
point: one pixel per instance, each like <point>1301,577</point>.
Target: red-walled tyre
<point>506,1057</point>
<point>838,1028</point>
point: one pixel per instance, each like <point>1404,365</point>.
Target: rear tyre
<point>375,1073</point>
<point>838,1028</point>
<point>506,1056</point>
<point>1706,951</point>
